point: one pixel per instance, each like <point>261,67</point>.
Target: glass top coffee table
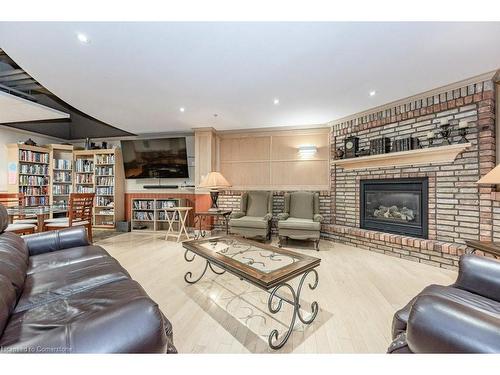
<point>265,266</point>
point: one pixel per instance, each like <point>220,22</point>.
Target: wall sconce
<point>307,151</point>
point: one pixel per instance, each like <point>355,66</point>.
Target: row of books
<point>36,201</point>
<point>105,159</point>
<point>33,180</point>
<point>34,190</point>
<point>62,164</point>
<point>108,181</point>
<point>84,189</point>
<point>104,201</point>
<point>61,189</point>
<point>34,169</point>
<point>143,205</point>
<point>33,156</point>
<point>84,165</point>
<point>84,179</point>
<point>104,171</point>
<point>143,215</point>
<point>62,177</point>
<point>105,190</point>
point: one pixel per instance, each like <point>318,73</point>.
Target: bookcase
<point>61,173</point>
<point>101,172</point>
<point>148,215</point>
<point>28,173</point>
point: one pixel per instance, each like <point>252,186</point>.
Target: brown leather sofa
<point>59,294</point>
<point>461,318</point>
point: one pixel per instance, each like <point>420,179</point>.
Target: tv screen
<point>155,158</point>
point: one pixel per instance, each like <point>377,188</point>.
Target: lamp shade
<point>214,180</point>
<point>492,177</point>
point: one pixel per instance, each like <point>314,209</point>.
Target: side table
<point>182,212</point>
<point>200,217</point>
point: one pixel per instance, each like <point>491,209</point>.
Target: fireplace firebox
<point>395,206</point>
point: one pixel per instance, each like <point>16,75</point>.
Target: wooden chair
<point>19,225</point>
<point>79,213</point>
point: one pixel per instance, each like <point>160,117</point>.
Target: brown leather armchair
<point>461,318</point>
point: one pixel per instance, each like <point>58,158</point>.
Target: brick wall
<point>458,208</point>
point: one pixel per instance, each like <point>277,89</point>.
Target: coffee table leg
<point>274,341</point>
<point>188,277</point>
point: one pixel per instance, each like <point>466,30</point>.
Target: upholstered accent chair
<point>254,218</point>
<point>301,219</point>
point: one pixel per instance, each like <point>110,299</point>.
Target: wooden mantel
<point>428,155</point>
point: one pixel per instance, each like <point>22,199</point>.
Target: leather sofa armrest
<point>237,215</point>
<point>40,243</point>
<point>438,325</point>
<point>318,217</point>
<point>479,275</point>
<point>283,216</point>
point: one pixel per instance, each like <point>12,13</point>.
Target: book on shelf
<point>33,156</point>
<point>104,171</point>
<point>105,159</point>
<point>84,165</point>
<point>33,169</point>
<point>62,164</point>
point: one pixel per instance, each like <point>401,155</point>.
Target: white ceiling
<point>136,76</point>
<point>16,109</point>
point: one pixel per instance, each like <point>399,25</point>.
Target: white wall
<point>9,135</point>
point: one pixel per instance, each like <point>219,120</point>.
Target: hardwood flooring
<point>358,293</point>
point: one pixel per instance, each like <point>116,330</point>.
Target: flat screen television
<point>155,158</point>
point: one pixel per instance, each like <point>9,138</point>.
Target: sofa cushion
<point>117,317</point>
<point>56,259</point>
<point>299,224</point>
<point>249,222</point>
<point>257,203</point>
<point>302,205</point>
<point>43,287</point>
<point>13,260</point>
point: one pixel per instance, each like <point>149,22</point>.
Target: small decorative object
<point>104,145</point>
<point>363,152</point>
<point>445,131</point>
<point>462,131</point>
<point>30,142</point>
<point>340,153</point>
<point>430,138</point>
<point>87,143</point>
<point>405,144</point>
<point>351,146</point>
<point>215,182</point>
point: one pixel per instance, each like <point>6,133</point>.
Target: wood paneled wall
<point>271,160</point>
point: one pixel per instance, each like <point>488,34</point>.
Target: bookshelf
<point>101,172</point>
<point>28,173</point>
<point>147,214</point>
<point>61,173</point>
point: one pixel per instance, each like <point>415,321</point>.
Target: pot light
<point>276,101</point>
<point>182,109</point>
<point>372,93</point>
<point>83,38</point>
<point>307,151</point>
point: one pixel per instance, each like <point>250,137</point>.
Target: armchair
<point>301,219</point>
<point>461,318</point>
<point>254,217</point>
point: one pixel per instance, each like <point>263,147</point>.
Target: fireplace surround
<point>397,206</point>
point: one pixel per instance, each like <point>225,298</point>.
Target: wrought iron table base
<point>274,340</point>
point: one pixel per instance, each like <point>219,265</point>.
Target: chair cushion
<point>26,221</point>
<point>249,222</point>
<point>56,259</point>
<point>44,287</point>
<point>300,224</point>
<point>17,227</point>
<point>56,220</point>
<point>302,205</point>
<point>117,317</point>
<point>257,203</point>
<point>65,223</point>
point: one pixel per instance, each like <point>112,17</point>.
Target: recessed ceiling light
<point>83,38</point>
<point>182,109</point>
<point>276,101</point>
<point>372,93</point>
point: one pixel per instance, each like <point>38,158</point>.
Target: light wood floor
<point>358,293</point>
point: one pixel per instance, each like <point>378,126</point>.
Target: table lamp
<point>491,178</point>
<point>215,182</point>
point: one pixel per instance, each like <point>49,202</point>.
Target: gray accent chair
<point>301,219</point>
<point>254,218</point>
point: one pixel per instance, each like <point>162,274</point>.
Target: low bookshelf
<point>148,214</point>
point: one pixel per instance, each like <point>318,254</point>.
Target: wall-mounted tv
<point>155,158</point>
